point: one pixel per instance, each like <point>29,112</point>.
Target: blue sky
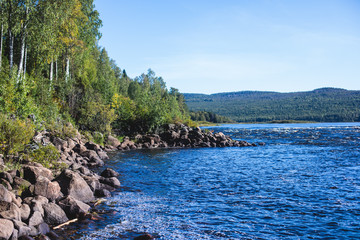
<point>210,46</point>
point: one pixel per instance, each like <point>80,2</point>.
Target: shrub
<point>14,134</point>
<point>61,129</point>
<point>98,138</point>
<point>46,156</point>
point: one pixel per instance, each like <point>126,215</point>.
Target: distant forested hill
<point>321,105</point>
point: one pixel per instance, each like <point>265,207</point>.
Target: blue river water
<point>303,184</point>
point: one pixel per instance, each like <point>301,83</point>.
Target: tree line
<point>52,67</point>
<point>319,105</point>
<point>204,116</point>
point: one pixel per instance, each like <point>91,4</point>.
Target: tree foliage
<point>65,74</point>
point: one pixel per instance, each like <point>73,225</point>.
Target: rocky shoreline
<point>34,200</point>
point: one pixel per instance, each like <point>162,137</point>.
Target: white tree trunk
<point>1,44</point>
<point>56,71</point>
<point>51,72</point>
<point>11,49</point>
<point>67,75</point>
<point>22,54</point>
<point>25,62</point>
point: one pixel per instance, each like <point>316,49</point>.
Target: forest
<point>319,105</point>
<point>204,116</point>
<point>53,71</point>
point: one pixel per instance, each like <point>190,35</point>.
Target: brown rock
<point>54,214</point>
<point>13,212</point>
<point>32,173</point>
<point>35,219</point>
<point>44,187</point>
<point>73,208</point>
<point>73,184</point>
<point>25,212</point>
<point>112,141</point>
<point>108,172</point>
<point>4,194</point>
<point>6,228</point>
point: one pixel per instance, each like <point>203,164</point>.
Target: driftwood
<point>66,223</point>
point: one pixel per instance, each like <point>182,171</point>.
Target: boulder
<point>44,187</point>
<point>73,184</point>
<point>112,141</point>
<point>113,182</point>
<point>6,229</point>
<point>31,173</point>
<point>92,146</point>
<point>102,193</point>
<point>23,229</point>
<point>43,229</point>
<point>7,176</point>
<point>59,143</point>
<point>73,208</point>
<point>102,155</point>
<point>144,237</point>
<point>79,148</point>
<point>12,212</point>
<point>4,194</point>
<point>108,172</point>
<point>6,184</point>
<point>71,144</point>
<point>25,212</point>
<point>53,214</point>
<point>35,219</point>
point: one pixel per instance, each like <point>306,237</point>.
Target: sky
<point>211,46</point>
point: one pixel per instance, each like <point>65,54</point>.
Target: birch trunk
<point>1,44</point>
<point>25,62</point>
<point>22,54</point>
<point>51,72</point>
<point>11,49</point>
<point>67,76</point>
<point>56,71</point>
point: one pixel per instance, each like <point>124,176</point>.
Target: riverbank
<point>35,200</point>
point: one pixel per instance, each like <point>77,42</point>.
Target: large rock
<point>73,184</point>
<point>92,146</point>
<point>35,219</point>
<point>112,141</point>
<point>4,194</point>
<point>108,172</point>
<point>103,155</point>
<point>6,229</point>
<point>59,143</point>
<point>44,187</point>
<point>12,212</point>
<point>25,212</point>
<point>113,181</point>
<point>7,176</point>
<point>23,229</point>
<point>54,215</point>
<point>73,208</point>
<point>32,173</point>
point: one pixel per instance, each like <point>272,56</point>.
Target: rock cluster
<point>180,136</point>
<point>34,197</point>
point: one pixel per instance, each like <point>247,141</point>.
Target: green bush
<point>61,129</point>
<point>46,156</point>
<point>98,138</point>
<point>14,134</point>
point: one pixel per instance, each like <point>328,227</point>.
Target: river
<point>303,184</point>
